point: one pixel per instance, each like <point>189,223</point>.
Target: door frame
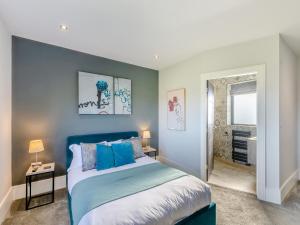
<point>260,71</point>
<point>207,133</point>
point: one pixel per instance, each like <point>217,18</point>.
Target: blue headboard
<point>95,138</point>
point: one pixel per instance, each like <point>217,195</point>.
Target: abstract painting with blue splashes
<point>122,93</point>
<point>95,94</point>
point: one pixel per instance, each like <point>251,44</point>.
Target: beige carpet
<point>233,207</point>
<point>234,176</point>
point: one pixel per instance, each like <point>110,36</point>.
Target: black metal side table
<point>45,169</point>
<point>149,150</point>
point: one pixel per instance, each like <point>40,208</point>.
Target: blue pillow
<point>123,153</point>
<point>104,157</point>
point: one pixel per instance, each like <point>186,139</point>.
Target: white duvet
<point>165,204</point>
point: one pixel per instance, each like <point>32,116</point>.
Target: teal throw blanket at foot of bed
<point>98,190</point>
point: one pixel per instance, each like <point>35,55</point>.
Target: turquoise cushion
<point>104,157</point>
<point>123,153</point>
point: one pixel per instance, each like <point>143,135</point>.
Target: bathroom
<point>232,107</point>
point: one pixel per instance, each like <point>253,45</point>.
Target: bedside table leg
<point>26,206</point>
<point>29,190</point>
<point>28,198</point>
<point>53,181</point>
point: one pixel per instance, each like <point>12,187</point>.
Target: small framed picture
<point>176,109</point>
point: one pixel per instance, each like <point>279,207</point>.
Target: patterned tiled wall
<point>223,131</point>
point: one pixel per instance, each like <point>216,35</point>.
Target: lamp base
<point>36,164</point>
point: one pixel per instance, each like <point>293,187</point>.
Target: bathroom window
<point>241,107</point>
<point>244,109</point>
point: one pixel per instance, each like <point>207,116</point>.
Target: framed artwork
<point>122,93</point>
<point>95,94</point>
<point>176,109</point>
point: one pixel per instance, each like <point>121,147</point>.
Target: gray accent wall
<point>45,101</point>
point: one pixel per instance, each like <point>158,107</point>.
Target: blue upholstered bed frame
<point>205,216</point>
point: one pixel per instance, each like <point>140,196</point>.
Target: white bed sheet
<point>165,204</point>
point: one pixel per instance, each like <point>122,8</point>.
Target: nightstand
<point>149,150</point>
<point>44,170</point>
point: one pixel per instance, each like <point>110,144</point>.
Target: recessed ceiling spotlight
<point>63,27</point>
<point>156,57</point>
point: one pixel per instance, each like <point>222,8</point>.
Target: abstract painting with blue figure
<point>95,94</point>
<point>122,93</point>
<point>101,87</point>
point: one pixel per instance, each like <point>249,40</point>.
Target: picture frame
<point>122,95</point>
<point>103,95</point>
<point>176,109</point>
<point>95,94</point>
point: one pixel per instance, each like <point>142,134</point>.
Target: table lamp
<point>36,146</point>
<point>147,135</point>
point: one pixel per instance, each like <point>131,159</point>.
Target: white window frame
<point>232,111</point>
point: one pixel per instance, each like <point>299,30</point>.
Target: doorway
<point>240,166</point>
<point>231,132</point>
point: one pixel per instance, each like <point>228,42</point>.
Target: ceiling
<point>133,31</point>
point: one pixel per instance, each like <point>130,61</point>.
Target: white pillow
<point>114,142</point>
<point>77,159</point>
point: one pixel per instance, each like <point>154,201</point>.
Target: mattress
<point>165,204</point>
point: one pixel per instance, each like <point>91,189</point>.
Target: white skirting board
<point>39,187</point>
<point>5,205</point>
<point>174,164</point>
<point>289,184</point>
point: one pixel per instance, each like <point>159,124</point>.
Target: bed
<point>181,199</point>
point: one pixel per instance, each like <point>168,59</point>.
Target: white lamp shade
<point>146,134</point>
<point>36,146</point>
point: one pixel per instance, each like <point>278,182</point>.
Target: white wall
<point>5,118</point>
<point>182,149</point>
<point>298,114</point>
<point>288,114</point>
